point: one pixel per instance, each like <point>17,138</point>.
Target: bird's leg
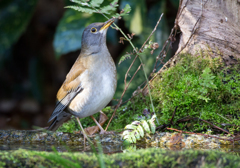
<point>84,133</point>
<point>100,127</point>
<point>102,130</point>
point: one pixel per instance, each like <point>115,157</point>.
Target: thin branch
<point>126,74</point>
<point>155,28</point>
<point>216,127</point>
<point>171,121</point>
<point>120,100</point>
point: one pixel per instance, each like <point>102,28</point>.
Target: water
<point>111,148</point>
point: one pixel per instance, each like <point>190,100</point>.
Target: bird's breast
<point>98,89</point>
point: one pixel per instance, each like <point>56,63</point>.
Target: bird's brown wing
<point>70,88</point>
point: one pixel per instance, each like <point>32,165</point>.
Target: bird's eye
<point>93,30</point>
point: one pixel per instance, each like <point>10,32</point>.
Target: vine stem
<point>134,48</point>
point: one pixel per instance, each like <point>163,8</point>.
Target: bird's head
<point>94,36</point>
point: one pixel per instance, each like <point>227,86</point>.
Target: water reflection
<point>111,148</point>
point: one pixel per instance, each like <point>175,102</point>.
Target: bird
<point>91,82</point>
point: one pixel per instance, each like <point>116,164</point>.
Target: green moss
<point>201,87</point>
<point>152,157</point>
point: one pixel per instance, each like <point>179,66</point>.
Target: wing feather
<point>70,88</point>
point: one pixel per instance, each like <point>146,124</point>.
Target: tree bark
<point>212,25</point>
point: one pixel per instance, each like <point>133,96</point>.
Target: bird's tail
<point>59,120</point>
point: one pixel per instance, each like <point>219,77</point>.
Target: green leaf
<point>152,126</point>
<point>127,9</point>
<point>109,8</point>
<point>140,130</point>
<point>82,2</point>
<point>81,9</point>
<point>137,135</point>
<point>130,126</point>
<point>134,140</point>
<point>135,123</point>
<point>145,126</point>
<point>96,3</point>
<point>15,16</point>
<point>126,132</point>
<point>124,57</point>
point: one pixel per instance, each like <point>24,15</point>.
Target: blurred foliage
<point>15,16</point>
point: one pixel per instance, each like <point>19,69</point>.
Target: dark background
<point>32,68</point>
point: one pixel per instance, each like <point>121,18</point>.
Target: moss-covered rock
<point>141,158</point>
<point>202,87</point>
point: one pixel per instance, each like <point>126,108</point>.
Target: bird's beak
<point>107,24</point>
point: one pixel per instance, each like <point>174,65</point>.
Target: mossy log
<point>141,158</point>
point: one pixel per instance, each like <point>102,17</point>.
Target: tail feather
<point>59,120</point>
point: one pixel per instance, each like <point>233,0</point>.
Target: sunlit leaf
<point>130,126</point>
<point>137,135</point>
<point>81,9</point>
<point>152,126</point>
<point>134,140</point>
<point>135,123</point>
<point>96,3</point>
<point>125,11</point>
<point>140,130</point>
<point>145,126</point>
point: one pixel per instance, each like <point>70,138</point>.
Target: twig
<point>155,28</point>
<point>196,118</point>
<point>171,121</point>
<point>120,100</point>
<point>216,126</point>
<point>126,74</point>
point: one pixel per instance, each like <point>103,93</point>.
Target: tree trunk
<point>212,25</point>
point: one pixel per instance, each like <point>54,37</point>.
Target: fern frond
<point>109,8</point>
<point>145,126</point>
<point>125,11</point>
<point>152,124</point>
<point>124,57</point>
<point>82,2</point>
<point>96,3</point>
<point>135,130</point>
<point>78,8</point>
